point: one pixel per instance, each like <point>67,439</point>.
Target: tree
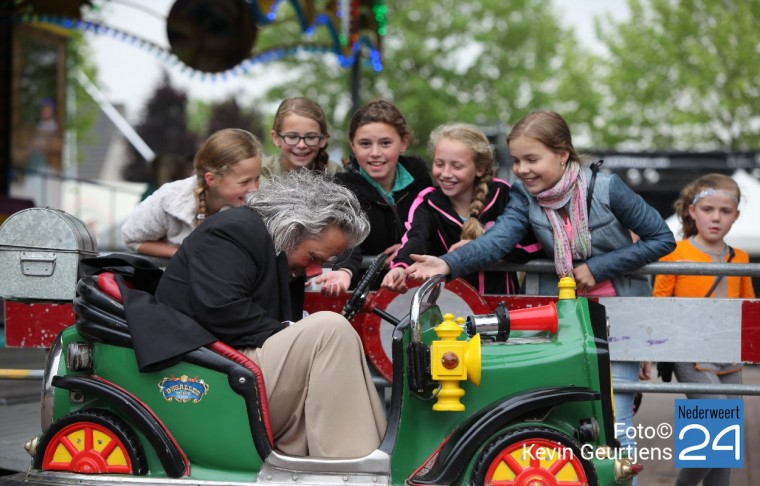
<point>229,114</point>
<point>682,74</point>
<point>486,62</point>
<point>163,128</point>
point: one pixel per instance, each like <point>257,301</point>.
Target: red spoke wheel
<point>91,442</point>
<point>458,297</point>
<point>534,456</point>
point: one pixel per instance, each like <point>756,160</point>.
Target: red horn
<point>541,318</point>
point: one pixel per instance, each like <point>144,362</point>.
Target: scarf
<point>570,188</point>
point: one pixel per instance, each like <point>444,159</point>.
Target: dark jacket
<point>227,277</point>
<point>224,283</point>
<point>160,334</point>
<point>434,226</point>
<point>386,219</point>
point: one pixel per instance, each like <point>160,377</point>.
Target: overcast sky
<point>129,74</point>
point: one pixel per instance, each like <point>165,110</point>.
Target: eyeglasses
<point>293,139</point>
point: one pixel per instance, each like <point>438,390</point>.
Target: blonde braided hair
<point>222,150</point>
<point>483,156</point>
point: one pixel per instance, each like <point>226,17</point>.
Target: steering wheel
<point>359,297</point>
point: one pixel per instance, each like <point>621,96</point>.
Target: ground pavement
<point>20,421</point>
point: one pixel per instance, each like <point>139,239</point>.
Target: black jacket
<point>227,277</point>
<point>160,334</point>
<point>386,219</point>
<point>224,283</point>
<point>434,226</point>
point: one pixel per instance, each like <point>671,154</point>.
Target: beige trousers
<point>322,401</point>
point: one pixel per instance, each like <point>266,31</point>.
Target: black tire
<point>118,431</point>
<point>526,435</point>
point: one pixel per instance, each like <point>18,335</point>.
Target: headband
<point>711,192</point>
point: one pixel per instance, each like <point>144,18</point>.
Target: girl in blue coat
<point>465,204</point>
<point>589,240</point>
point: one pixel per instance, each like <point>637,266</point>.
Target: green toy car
<point>509,398</point>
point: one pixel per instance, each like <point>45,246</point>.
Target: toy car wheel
<point>534,456</point>
<point>459,297</point>
<point>91,442</point>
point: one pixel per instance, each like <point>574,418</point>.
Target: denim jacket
<point>615,209</point>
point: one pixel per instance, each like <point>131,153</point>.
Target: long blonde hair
<point>483,156</point>
<point>222,150</point>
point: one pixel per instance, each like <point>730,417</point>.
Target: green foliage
<point>198,113</point>
<point>82,118</point>
<point>485,62</point>
<point>682,74</point>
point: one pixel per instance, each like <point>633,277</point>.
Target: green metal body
<point>214,431</point>
<point>527,361</point>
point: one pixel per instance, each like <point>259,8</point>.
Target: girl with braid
<point>227,167</point>
<point>583,221</point>
<point>466,202</point>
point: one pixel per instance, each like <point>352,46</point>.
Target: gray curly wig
<point>297,206</point>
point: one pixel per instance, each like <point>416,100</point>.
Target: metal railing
<point>533,268</point>
<point>100,205</point>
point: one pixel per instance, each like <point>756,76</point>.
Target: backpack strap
<point>589,194</point>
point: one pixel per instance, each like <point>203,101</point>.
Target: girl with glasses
<point>300,132</point>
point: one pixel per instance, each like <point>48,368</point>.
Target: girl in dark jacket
<point>385,182</point>
<point>464,205</point>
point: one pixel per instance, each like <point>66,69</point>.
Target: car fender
<point>172,458</point>
<point>464,443</point>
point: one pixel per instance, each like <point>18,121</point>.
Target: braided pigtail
<point>200,199</point>
<point>319,164</point>
<point>485,164</point>
<point>473,228</point>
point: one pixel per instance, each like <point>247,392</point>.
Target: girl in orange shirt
<point>707,208</point>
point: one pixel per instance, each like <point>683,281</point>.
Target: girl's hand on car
<point>425,266</point>
<point>395,280</point>
<point>584,279</point>
<point>391,251</point>
<point>334,283</point>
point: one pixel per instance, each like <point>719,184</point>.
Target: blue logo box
<point>709,433</point>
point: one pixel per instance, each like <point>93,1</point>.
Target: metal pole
<point>116,118</point>
<point>700,388</point>
<point>356,73</point>
<point>14,374</point>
